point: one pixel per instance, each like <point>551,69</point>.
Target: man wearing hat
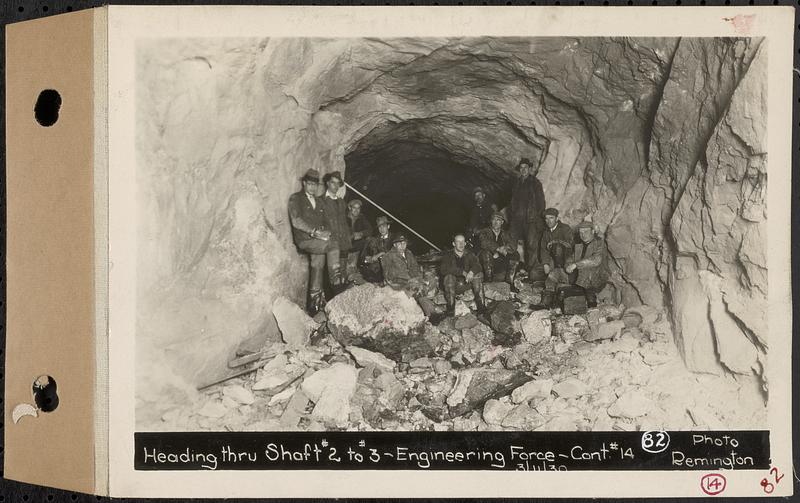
<point>498,251</point>
<point>589,262</point>
<point>402,272</point>
<point>460,269</point>
<point>312,236</point>
<point>336,213</point>
<point>481,214</point>
<point>556,247</point>
<point>526,208</point>
<point>375,248</point>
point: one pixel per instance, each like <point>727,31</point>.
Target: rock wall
<point>660,141</point>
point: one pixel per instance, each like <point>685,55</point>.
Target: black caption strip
<point>529,451</point>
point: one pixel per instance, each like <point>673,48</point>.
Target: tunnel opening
<point>423,180</point>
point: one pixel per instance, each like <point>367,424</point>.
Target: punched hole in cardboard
<point>45,398</point>
<point>47,107</point>
<point>45,393</point>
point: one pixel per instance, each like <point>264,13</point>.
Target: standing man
<point>402,272</point>
<point>589,261</point>
<point>311,235</point>
<point>556,247</point>
<point>336,213</point>
<point>460,269</point>
<point>481,214</point>
<point>360,230</point>
<point>498,252</point>
<point>375,248</point>
<point>527,206</point>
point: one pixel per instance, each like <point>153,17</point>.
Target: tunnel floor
<point>611,368</point>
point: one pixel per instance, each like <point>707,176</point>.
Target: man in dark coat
<point>460,269</point>
<point>556,248</point>
<point>527,206</point>
<point>336,214</point>
<point>402,272</point>
<point>312,236</point>
<point>360,230</point>
<point>375,248</point>
<point>481,213</point>
<point>587,266</point>
<point>498,251</point>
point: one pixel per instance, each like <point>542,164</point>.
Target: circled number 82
<point>655,441</point>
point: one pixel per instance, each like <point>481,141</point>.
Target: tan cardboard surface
<point>50,251</point>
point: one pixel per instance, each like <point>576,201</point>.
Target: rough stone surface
<point>539,388</point>
<point>570,329</point>
<point>569,388</point>
<point>295,325</point>
<point>364,358</point>
<point>608,330</point>
<point>499,290</point>
<point>379,319</point>
<point>502,317</point>
<point>475,386</point>
<point>239,394</point>
<point>494,411</point>
<point>537,326</point>
<point>631,404</point>
<point>662,141</point>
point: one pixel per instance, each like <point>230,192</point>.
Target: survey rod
<point>394,217</point>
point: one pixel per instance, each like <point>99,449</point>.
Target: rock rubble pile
<point>613,368</point>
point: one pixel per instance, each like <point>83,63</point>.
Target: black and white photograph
<point>451,234</point>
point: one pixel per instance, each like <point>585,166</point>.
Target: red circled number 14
<point>769,486</point>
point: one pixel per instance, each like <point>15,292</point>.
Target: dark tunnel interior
<point>425,186</point>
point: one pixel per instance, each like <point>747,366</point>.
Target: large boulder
<point>379,319</point>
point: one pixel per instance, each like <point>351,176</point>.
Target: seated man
<point>375,248</point>
<point>498,253</point>
<point>587,266</point>
<point>402,272</point>
<point>556,247</point>
<point>460,269</point>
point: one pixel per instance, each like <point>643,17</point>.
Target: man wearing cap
<point>589,261</point>
<point>360,230</point>
<point>527,206</point>
<point>402,272</point>
<point>311,235</point>
<point>336,214</point>
<point>498,251</point>
<point>481,214</point>
<point>556,247</point>
<point>460,270</point>
<point>375,248</point>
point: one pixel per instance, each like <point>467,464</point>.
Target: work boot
<point>316,303</point>
<point>338,284</point>
<point>488,271</point>
<point>510,274</point>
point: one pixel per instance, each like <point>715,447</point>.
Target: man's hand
<point>503,250</point>
<point>469,276</point>
<point>546,269</point>
<point>570,267</point>
<point>357,235</point>
<point>495,255</point>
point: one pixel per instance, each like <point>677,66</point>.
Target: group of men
<point>336,233</point>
